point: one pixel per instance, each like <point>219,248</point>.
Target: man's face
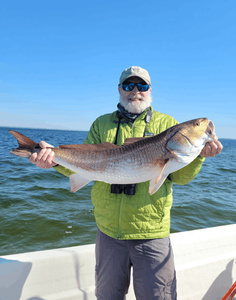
<point>135,101</point>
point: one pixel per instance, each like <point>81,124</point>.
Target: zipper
<point>122,199</point>
<point>164,203</point>
<point>120,215</point>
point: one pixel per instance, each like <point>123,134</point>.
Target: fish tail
<point>26,145</point>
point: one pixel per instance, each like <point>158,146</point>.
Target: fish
<point>137,160</point>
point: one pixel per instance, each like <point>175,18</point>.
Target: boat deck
<point>205,262</point>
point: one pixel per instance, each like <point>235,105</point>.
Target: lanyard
<point>147,120</point>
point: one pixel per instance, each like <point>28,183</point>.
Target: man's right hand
<point>44,159</point>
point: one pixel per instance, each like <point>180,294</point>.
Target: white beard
<point>136,107</point>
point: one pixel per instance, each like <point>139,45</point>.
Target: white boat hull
<point>205,262</point>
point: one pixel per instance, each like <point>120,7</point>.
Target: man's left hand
<point>211,148</point>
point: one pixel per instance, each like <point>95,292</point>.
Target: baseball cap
<point>135,71</point>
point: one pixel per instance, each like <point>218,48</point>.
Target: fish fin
<point>156,183</point>
<point>105,145</point>
<point>77,182</point>
<point>132,140</point>
<point>25,145</point>
<point>160,175</point>
<point>23,140</point>
<point>21,153</point>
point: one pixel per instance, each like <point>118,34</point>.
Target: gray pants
<point>153,268</point>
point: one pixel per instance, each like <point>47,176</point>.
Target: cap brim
<point>143,78</point>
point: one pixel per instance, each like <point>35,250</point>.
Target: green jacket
<point>140,216</point>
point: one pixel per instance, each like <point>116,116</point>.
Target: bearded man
<point>133,226</point>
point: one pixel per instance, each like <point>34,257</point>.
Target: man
<point>133,227</point>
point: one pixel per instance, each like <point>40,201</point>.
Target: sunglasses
<point>129,87</point>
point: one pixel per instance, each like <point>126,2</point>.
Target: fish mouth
<point>210,130</point>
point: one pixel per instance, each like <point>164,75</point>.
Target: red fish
<point>138,160</point>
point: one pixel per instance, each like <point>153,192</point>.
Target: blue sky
<point>60,61</point>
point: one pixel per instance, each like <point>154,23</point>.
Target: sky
<point>60,61</point>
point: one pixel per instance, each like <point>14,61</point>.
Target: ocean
<point>38,211</point>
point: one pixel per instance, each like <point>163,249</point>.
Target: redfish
<point>138,160</point>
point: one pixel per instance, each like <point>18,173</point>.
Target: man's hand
<point>212,148</point>
<point>44,159</point>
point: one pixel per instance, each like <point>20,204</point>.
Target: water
<point>38,211</point>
